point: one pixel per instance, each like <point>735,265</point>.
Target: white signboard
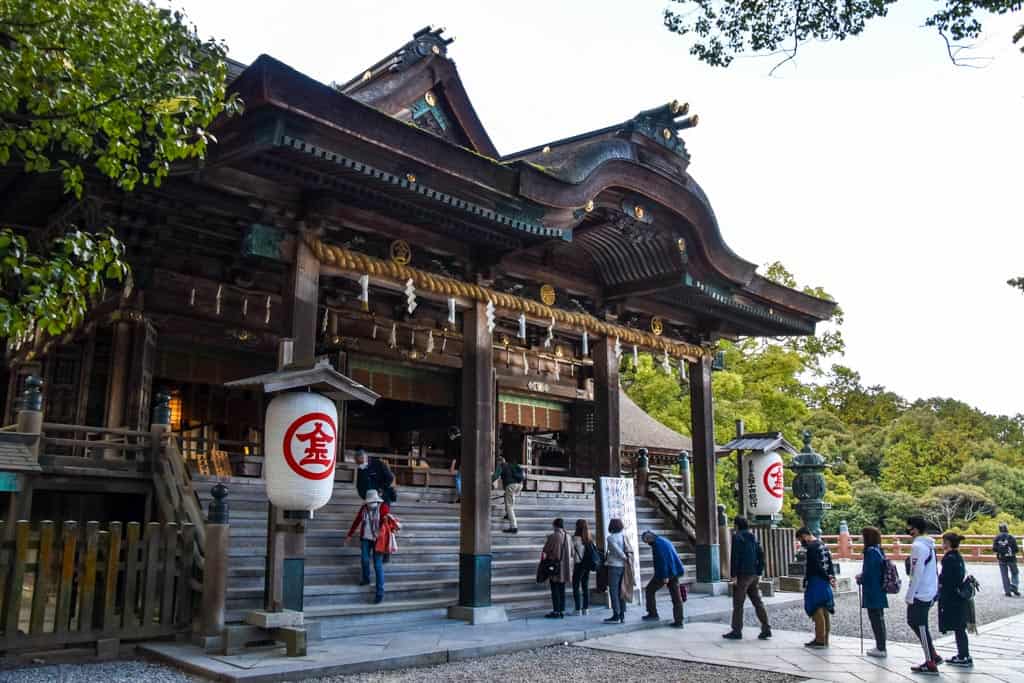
<point>618,499</point>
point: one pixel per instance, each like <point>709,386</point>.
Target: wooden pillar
<point>607,457</point>
<point>305,286</point>
<point>286,538</point>
<point>215,573</point>
<point>477,460</point>
<point>705,497</point>
<point>119,365</point>
<point>606,403</point>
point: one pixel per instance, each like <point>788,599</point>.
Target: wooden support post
<point>120,363</point>
<point>286,540</point>
<point>477,460</point>
<point>607,458</point>
<point>704,484</point>
<point>740,502</point>
<point>215,572</point>
<point>305,287</point>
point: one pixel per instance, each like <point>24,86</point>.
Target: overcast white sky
<point>873,167</point>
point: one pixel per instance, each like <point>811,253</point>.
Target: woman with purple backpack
<point>873,581</point>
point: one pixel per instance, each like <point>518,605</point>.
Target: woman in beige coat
<point>558,548</point>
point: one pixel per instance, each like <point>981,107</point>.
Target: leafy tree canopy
<point>726,28</point>
<point>888,457</point>
<point>117,88</point>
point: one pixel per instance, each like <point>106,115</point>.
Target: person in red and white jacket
<point>376,527</point>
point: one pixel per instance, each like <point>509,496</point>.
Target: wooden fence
<point>66,585</point>
<point>779,549</point>
<point>897,547</point>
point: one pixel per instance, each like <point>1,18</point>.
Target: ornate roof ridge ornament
<point>663,124</point>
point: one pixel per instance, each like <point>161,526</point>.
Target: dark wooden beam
<point>705,495</point>
<point>478,425</point>
<point>606,403</point>
<point>305,287</point>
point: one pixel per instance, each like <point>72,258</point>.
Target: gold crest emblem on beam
<point>400,252</point>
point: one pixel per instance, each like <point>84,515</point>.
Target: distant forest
<point>889,457</point>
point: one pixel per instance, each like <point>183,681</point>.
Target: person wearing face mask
<point>819,580</point>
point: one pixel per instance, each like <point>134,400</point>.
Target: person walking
<point>372,474</point>
<point>871,579</point>
<point>668,569</point>
<point>953,607</point>
<point>746,565</point>
<point>617,556</point>
<point>512,478</point>
<point>819,580</point>
<point>368,524</point>
<point>583,553</point>
<point>1005,548</point>
<point>558,548</point>
<point>922,588</point>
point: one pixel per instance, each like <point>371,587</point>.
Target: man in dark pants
<point>1005,548</point>
<point>746,566</point>
<point>668,569</point>
<point>921,592</point>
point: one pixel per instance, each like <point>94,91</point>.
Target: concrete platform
<point>433,642</point>
<point>997,650</point>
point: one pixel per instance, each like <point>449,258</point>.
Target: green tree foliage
<point>887,457</point>
<point>724,29</point>
<point>946,506</point>
<point>1001,481</point>
<point>55,290</point>
<point>119,88</point>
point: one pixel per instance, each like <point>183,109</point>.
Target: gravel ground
<point>990,605</point>
<point>122,671</point>
<point>565,664</point>
<point>562,663</point>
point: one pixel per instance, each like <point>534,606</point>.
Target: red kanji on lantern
<point>316,452</point>
<point>318,462</point>
<point>774,482</point>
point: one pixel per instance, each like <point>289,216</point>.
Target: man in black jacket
<point>1005,548</point>
<point>746,567</point>
<point>374,475</point>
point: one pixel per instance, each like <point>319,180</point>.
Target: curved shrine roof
<point>616,208</point>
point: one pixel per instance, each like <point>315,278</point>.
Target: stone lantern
<point>809,486</point>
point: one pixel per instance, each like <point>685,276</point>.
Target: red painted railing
<point>897,547</point>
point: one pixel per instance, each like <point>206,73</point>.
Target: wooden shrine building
<point>375,224</point>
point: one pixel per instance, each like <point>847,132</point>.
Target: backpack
<point>891,582</point>
<point>518,475</point>
<point>969,588</point>
<point>592,558</point>
<point>1004,551</point>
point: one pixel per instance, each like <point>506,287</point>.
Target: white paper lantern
<point>763,483</point>
<point>301,444</point>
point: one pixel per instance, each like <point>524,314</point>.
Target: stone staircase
<point>422,578</point>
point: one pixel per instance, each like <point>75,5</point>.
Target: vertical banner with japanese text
<point>619,500</point>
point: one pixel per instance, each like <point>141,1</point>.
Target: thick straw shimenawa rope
<point>346,259</point>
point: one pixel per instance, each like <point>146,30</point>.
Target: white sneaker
<point>875,652</point>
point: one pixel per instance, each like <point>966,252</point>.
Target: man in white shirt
<point>921,591</point>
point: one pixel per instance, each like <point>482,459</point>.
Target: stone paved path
<point>424,645</point>
<point>998,652</point>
